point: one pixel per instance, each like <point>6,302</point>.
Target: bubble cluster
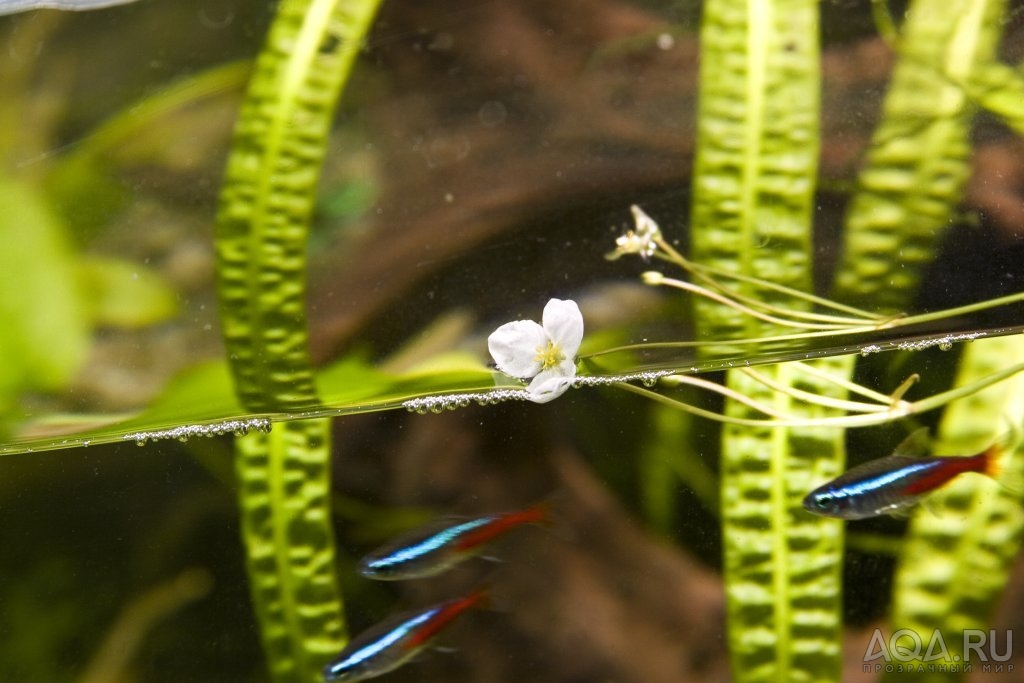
<point>648,378</point>
<point>443,402</point>
<point>944,343</point>
<point>185,432</point>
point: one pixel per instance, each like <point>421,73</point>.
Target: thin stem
<point>731,303</point>
<point>896,410</point>
<point>702,271</point>
<point>731,342</point>
<point>675,380</point>
<point>941,399</point>
<point>808,397</point>
<point>961,310</point>
<point>852,387</point>
<point>884,23</point>
<point>863,420</point>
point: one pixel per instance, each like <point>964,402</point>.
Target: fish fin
<point>916,444</point>
<point>927,507</point>
<point>993,464</point>
<point>1004,447</point>
<point>542,512</point>
<point>903,513</point>
<point>996,460</point>
<point>548,511</point>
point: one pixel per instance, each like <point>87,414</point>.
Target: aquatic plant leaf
<point>999,89</point>
<point>269,192</point>
<point>958,554</point>
<point>203,395</point>
<point>917,165</point>
<point>753,187</point>
<point>44,337</point>
<point>81,182</point>
<point>284,494</point>
<point>757,154</point>
<point>125,294</point>
<point>783,565</point>
<point>261,240</point>
<point>666,460</point>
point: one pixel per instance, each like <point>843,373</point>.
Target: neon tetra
<point>396,640</point>
<point>896,482</point>
<point>438,546</point>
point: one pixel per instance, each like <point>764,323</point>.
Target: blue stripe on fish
<point>890,484</point>
<point>393,558</point>
<point>440,545</point>
<point>396,640</point>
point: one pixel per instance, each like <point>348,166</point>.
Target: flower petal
<point>514,347</point>
<point>567,368</point>
<point>549,385</point>
<point>563,322</point>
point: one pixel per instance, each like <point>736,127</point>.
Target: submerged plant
<point>788,355</point>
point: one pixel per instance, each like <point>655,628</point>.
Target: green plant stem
<point>896,410</point>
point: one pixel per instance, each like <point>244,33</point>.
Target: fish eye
<point>827,503</point>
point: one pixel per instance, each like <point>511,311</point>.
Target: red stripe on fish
<point>535,514</point>
<point>983,463</point>
<point>446,615</point>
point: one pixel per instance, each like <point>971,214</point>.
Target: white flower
<point>544,353</point>
<point>640,241</point>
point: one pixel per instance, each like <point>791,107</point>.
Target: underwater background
<point>453,169</point>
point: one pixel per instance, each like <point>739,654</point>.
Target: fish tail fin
<point>996,457</point>
<point>541,512</point>
<point>992,461</point>
<point>545,512</point>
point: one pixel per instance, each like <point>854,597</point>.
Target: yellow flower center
<point>549,356</point>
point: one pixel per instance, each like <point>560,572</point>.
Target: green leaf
<point>82,184</point>
<point>125,294</point>
<point>269,192</point>
<point>757,152</point>
<point>261,239</point>
<point>284,494</point>
<point>783,565</point>
<point>999,89</point>
<point>753,190</point>
<point>959,551</point>
<point>203,395</point>
<point>918,162</point>
<point>45,335</point>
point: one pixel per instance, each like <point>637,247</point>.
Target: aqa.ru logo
<point>906,650</point>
